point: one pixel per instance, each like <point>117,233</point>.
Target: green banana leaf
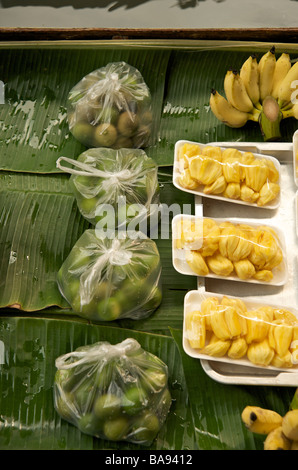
<point>40,223</point>
<point>33,124</point>
<point>28,418</point>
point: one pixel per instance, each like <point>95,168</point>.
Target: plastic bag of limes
<point>111,107</point>
<point>115,188</point>
<point>108,279</point>
<point>114,392</point>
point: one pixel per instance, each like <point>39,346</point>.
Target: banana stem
<point>269,119</point>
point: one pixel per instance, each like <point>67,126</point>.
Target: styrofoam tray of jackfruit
<point>178,171</point>
<point>283,217</point>
<point>280,272</point>
<point>193,301</point>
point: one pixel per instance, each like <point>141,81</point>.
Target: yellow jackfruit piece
<point>217,187</point>
<point>257,326</point>
<point>233,321</point>
<point>234,243</point>
<point>268,312</point>
<point>219,324</point>
<point>232,191</point>
<point>260,353</point>
<point>189,234</point>
<point>195,329</point>
<point>268,192</point>
<point>247,158</point>
<point>280,336</point>
<point>247,194</point>
<point>238,348</point>
<point>285,315</point>
<point>264,253</point>
<point>204,169</point>
<point>244,269</point>
<point>207,306</point>
<point>263,275</point>
<point>211,237</point>
<point>256,175</point>
<point>197,263</point>
<point>220,265</point>
<point>186,152</point>
<point>187,181</point>
<point>273,173</point>
<point>232,170</point>
<point>241,310</point>
<point>282,362</point>
<point>212,152</point>
<point>216,347</point>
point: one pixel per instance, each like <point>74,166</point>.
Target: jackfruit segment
<point>228,173</point>
<point>227,249</point>
<point>265,335</point>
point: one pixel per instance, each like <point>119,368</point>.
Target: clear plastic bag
<point>247,332</point>
<point>111,107</point>
<point>229,174</point>
<point>121,183</point>
<point>239,250</point>
<point>114,392</point>
<point>107,279</point>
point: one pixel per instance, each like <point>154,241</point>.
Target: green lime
<point>146,427</point>
<point>109,309</point>
<point>134,400</point>
<point>155,300</point>
<point>105,135</point>
<point>89,424</point>
<point>83,132</point>
<point>128,123</point>
<point>88,206</point>
<point>116,429</point>
<point>107,406</point>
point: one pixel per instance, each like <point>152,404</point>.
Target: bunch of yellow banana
<point>264,92</point>
<point>265,335</point>
<point>228,249</point>
<point>228,173</point>
<point>281,431</point>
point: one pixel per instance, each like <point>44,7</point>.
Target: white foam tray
<point>178,170</point>
<point>193,300</point>
<point>284,217</point>
<point>280,273</point>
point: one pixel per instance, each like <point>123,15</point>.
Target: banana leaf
<point>40,223</point>
<point>33,122</point>
<point>28,418</point>
<point>33,125</point>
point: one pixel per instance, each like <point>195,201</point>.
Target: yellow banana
<point>283,65</point>
<point>249,74</point>
<point>236,92</point>
<point>286,92</point>
<point>225,112</point>
<point>276,440</point>
<point>290,425</point>
<point>267,66</point>
<point>260,420</point>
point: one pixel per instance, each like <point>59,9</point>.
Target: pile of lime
<point>120,187</point>
<point>119,397</point>
<point>111,107</point>
<point>109,279</point>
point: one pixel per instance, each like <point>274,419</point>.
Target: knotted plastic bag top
<point>111,107</point>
